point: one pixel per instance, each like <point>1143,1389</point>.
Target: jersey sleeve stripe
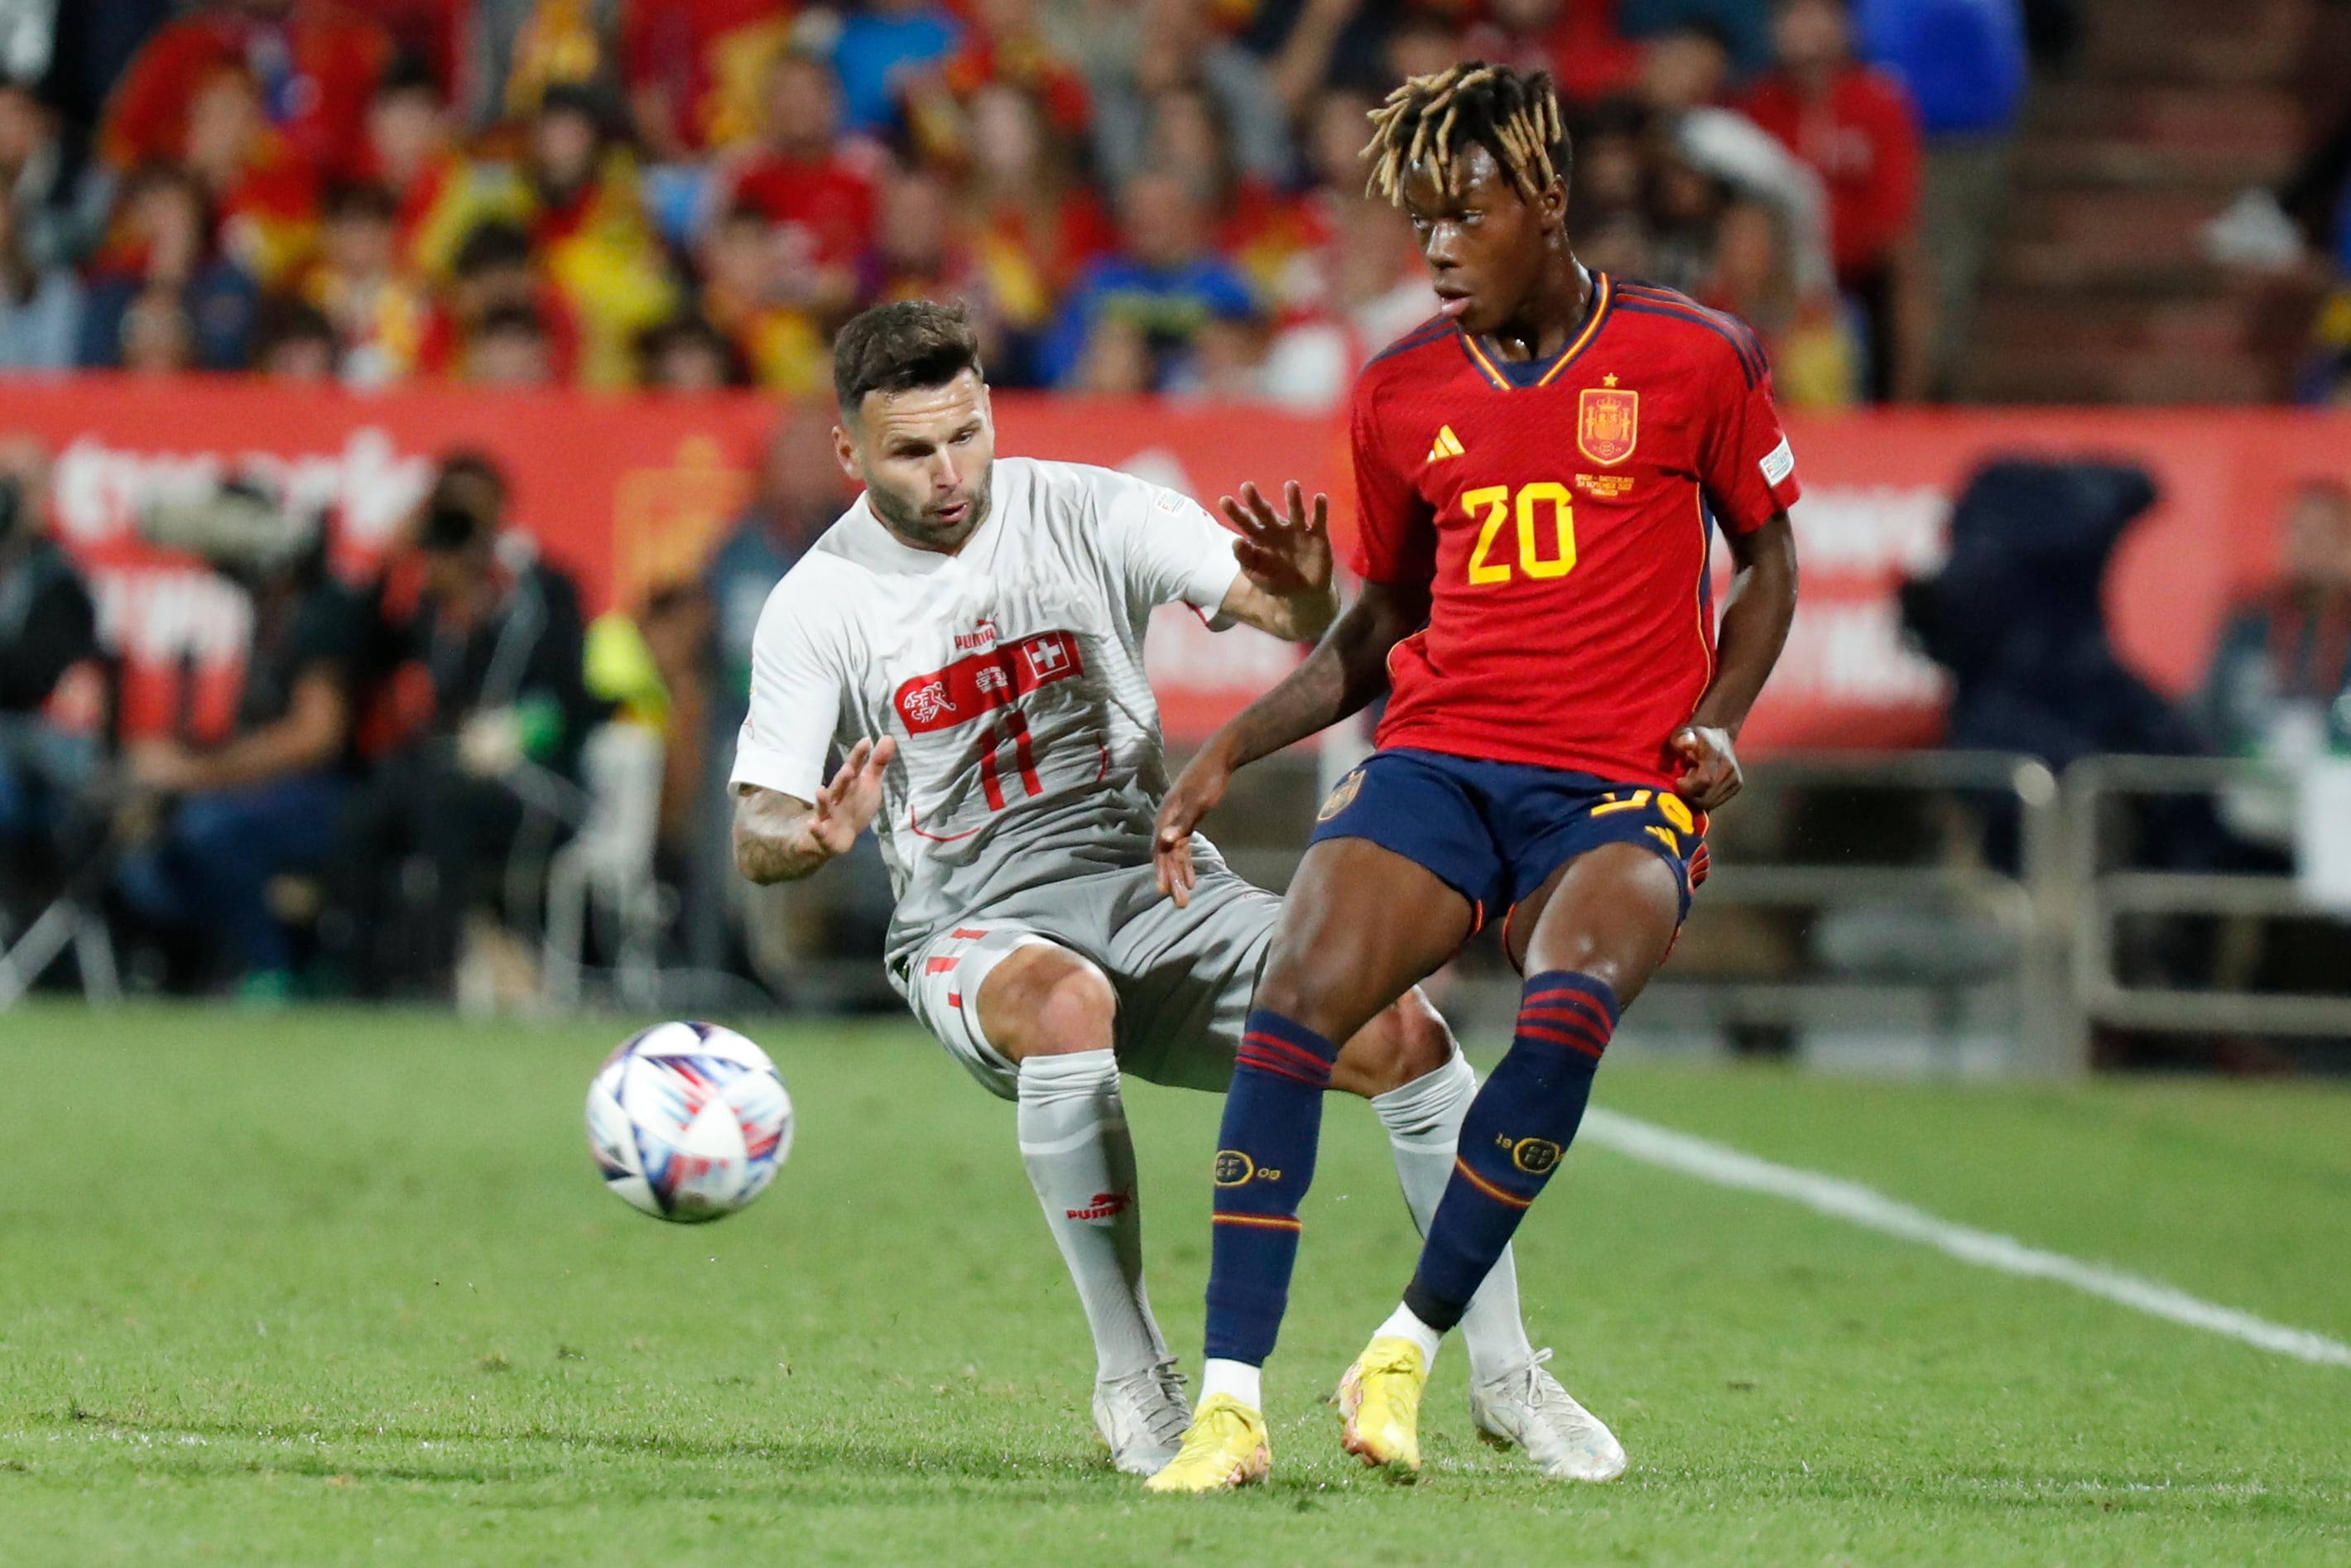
<point>1426,332</point>
<point>1750,347</point>
<point>1747,366</point>
<point>1750,351</point>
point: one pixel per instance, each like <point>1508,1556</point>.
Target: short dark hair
<point>513,318</point>
<point>901,346</point>
<point>690,329</point>
<point>492,246</point>
<point>285,321</point>
<point>409,73</point>
<point>578,98</point>
<point>360,199</point>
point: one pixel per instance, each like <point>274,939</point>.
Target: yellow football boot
<point>1224,1448</point>
<point>1379,1406</point>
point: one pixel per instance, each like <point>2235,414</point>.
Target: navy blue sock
<point>1265,1161</point>
<point>1522,1121</point>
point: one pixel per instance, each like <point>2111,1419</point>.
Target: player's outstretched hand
<point>846,805</point>
<point>1286,553</point>
<point>1193,796</point>
<point>1709,775</point>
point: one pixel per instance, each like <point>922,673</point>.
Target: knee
<point>1404,1043</point>
<point>1043,1001</point>
<point>1313,990</point>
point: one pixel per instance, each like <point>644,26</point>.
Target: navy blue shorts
<point>1493,831</point>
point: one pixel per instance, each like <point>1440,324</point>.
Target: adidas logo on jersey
<point>1446,444</point>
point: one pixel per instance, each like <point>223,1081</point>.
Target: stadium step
<point>2098,289</point>
<point>2198,121</point>
<point>2195,40</point>
<point>2065,164</point>
<point>2152,375</point>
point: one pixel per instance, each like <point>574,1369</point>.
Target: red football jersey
<point>1562,511</point>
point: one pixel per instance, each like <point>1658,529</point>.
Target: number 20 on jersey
<point>1542,545</point>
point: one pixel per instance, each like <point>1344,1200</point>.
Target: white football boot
<point>1141,1417</point>
<point>1527,1407</point>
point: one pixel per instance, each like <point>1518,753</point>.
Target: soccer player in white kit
<point>970,634</point>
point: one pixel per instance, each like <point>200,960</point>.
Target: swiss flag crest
<point>1608,424</point>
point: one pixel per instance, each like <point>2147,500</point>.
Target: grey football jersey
<point>1010,674</point>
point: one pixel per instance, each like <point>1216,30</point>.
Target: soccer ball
<point>688,1122</point>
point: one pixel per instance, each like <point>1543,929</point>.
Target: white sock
<point>1424,1122</point>
<point>1074,1142</point>
<point>1237,1378</point>
<point>1404,1325</point>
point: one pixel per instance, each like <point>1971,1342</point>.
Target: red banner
<point>630,494</point>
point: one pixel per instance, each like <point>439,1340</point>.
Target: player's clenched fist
<point>1193,796</point>
<point>1709,775</point>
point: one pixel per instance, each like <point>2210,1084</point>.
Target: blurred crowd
<point>1133,195</point>
<point>414,764</point>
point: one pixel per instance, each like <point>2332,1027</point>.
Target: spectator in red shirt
<point>313,62</point>
<point>747,295</point>
<point>590,232</point>
<point>1854,126</point>
<point>441,193</point>
<point>694,70</point>
<point>1025,199</point>
<point>494,268</point>
<point>1007,47</point>
<point>798,177</point>
<point>918,254</point>
<point>1575,41</point>
<point>265,194</point>
<point>161,251</point>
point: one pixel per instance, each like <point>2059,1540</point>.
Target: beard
<point>910,524</point>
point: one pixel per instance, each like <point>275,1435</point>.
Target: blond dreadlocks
<point>1440,116</point>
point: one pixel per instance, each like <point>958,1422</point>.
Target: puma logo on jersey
<point>983,634</point>
<point>1446,444</point>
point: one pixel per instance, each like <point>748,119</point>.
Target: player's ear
<point>1553,203</point>
<point>844,448</point>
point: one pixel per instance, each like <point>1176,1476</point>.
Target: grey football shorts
<point>1184,976</point>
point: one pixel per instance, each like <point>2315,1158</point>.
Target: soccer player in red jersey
<point>1542,470</point>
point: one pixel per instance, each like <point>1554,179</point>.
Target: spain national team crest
<point>1341,796</point>
<point>1608,424</point>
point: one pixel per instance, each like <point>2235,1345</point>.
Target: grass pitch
<point>344,1288</point>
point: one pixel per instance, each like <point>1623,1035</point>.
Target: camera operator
<point>268,801</point>
<point>47,625</point>
<point>489,785</point>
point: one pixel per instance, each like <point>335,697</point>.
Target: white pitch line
<point>1872,1209</point>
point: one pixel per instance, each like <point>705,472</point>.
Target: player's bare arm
<point>1341,677</point>
<point>781,838</point>
<point>1285,587</point>
<point>1754,629</point>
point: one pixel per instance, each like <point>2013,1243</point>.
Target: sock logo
<point>1103,1206</point>
<point>1536,1156</point>
<point>1235,1168</point>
